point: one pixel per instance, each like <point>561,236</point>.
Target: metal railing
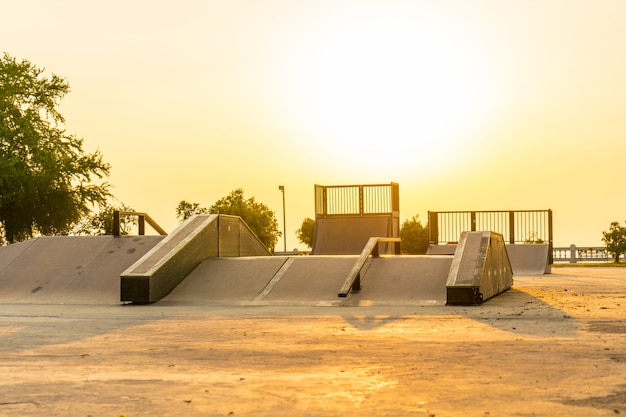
<point>574,254</point>
<point>351,200</point>
<point>516,226</point>
<point>142,218</point>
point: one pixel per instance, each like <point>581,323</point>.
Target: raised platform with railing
<point>346,216</point>
<point>516,226</point>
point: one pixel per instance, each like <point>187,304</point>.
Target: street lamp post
<point>282,190</point>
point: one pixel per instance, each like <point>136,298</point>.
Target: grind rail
<point>353,282</point>
<point>142,219</point>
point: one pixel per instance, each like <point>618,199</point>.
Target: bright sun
<point>396,87</point>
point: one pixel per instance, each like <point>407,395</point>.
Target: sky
<point>467,104</point>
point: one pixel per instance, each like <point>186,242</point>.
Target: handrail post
<point>433,228</point>
<point>141,223</point>
<point>116,223</point>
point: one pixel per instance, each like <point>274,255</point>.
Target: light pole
<point>282,190</point>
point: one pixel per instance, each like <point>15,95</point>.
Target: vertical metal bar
<point>511,227</point>
<point>361,200</point>
<point>141,222</point>
<point>433,228</point>
<point>116,223</point>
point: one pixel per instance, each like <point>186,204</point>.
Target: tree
<point>533,238</point>
<point>45,176</point>
<point>306,232</point>
<point>257,216</point>
<point>185,210</point>
<point>101,223</point>
<point>615,240</point>
<point>414,237</point>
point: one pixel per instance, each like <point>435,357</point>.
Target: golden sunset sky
<point>467,104</point>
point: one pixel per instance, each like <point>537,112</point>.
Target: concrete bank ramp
<point>200,237</point>
<point>314,281</point>
<point>404,280</point>
<point>226,280</point>
<point>480,269</point>
<point>530,259</point>
<point>276,280</point>
<point>69,269</point>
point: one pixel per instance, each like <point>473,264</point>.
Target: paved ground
<point>552,346</point>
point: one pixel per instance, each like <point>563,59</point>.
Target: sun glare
<point>389,87</point>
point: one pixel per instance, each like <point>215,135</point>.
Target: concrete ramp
<point>530,259</point>
<point>200,237</point>
<point>226,280</point>
<point>480,269</point>
<point>69,269</point>
<point>348,235</point>
<point>314,280</point>
<point>310,280</point>
<point>297,280</point>
<point>404,280</point>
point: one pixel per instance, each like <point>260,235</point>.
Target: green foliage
<point>306,232</point>
<point>185,210</point>
<point>615,240</point>
<point>533,238</point>
<point>257,216</point>
<point>101,223</point>
<point>414,237</point>
<point>45,176</point>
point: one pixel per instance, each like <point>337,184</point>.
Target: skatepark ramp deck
<point>200,237</point>
<point>314,281</point>
<point>214,250</point>
<point>69,269</point>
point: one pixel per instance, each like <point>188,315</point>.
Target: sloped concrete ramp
<point>69,269</point>
<point>530,259</point>
<point>226,280</point>
<point>311,280</point>
<point>200,237</point>
<point>404,280</point>
<point>314,281</point>
<point>480,269</point>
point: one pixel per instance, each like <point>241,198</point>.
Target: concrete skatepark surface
<point>553,345</point>
<point>75,270</point>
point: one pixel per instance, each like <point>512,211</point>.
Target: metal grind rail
<point>353,282</point>
<point>142,219</point>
